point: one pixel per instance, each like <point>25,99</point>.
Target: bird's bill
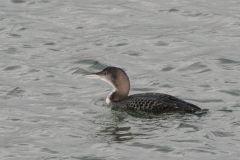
<point>91,75</point>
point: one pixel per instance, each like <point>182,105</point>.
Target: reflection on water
<point>117,134</point>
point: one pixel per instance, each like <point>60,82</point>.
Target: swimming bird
<point>144,103</point>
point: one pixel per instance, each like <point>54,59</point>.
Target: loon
<point>145,103</point>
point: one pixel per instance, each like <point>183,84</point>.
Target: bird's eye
<point>104,73</point>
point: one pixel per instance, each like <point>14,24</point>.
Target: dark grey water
<point>189,49</point>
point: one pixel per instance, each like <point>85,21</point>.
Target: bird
<point>143,103</point>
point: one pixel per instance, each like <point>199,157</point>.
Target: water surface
<point>189,49</point>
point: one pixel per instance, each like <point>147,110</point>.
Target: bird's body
<point>156,103</point>
<point>145,103</point>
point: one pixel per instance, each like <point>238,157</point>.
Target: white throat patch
<point>108,100</point>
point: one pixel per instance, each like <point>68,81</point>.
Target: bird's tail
<point>202,111</point>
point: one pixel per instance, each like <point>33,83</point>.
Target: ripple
<point>161,43</point>
<point>228,64</point>
<point>33,70</point>
<point>15,92</point>
<point>166,86</point>
<point>55,50</point>
<point>18,1</point>
<point>79,71</point>
<point>236,105</point>
<point>53,94</point>
<point>164,149</point>
<point>98,44</point>
<point>49,151</point>
<point>222,134</point>
<point>95,65</point>
<point>188,141</point>
<point>194,14</point>
<point>205,86</point>
<point>118,134</point>
<point>189,126</point>
<point>86,61</point>
<point>131,53</point>
<point>11,50</point>
<point>235,124</point>
<point>234,92</point>
<point>100,102</point>
<point>49,44</point>
<point>15,119</point>
<point>11,68</point>
<point>15,35</point>
<point>27,46</point>
<point>201,151</point>
<point>225,110</point>
<point>79,28</point>
<point>227,61</point>
<point>168,68</point>
<point>23,29</point>
<point>121,44</point>
<point>173,10</point>
<point>194,66</point>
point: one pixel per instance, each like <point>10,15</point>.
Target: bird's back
<point>156,103</point>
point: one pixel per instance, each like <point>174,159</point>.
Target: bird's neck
<point>121,87</point>
<point>120,92</point>
<point>116,95</point>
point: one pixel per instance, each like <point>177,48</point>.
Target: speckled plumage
<point>156,103</point>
